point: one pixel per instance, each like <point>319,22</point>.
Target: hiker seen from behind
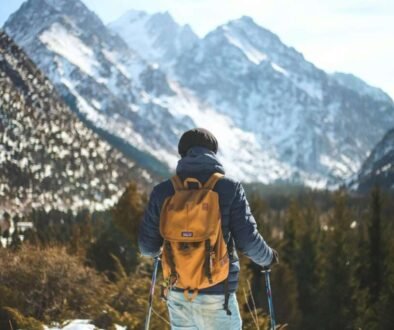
<point>198,220</point>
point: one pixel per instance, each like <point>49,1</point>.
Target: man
<point>198,148</point>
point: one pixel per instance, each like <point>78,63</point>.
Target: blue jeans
<point>205,312</point>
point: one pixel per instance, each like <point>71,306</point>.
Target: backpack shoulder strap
<point>215,177</point>
<point>177,183</point>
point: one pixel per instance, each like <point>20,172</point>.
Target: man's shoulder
<point>227,188</point>
<point>227,182</point>
<point>165,188</point>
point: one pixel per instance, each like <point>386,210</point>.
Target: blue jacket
<point>238,223</point>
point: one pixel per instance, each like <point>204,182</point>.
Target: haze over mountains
<point>144,79</point>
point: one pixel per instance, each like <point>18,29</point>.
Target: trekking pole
<point>151,292</point>
<point>266,271</point>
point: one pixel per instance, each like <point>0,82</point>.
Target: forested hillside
<point>336,258</point>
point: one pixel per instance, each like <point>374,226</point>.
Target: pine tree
<point>375,247</point>
<point>371,262</point>
<point>305,267</point>
<point>112,243</point>
<point>75,240</point>
<point>336,306</point>
<point>260,211</point>
<point>284,284</point>
<point>31,237</point>
<point>128,212</point>
<point>285,296</point>
<point>15,241</point>
<point>386,300</point>
<point>288,246</point>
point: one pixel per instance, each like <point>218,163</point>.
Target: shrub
<point>49,284</point>
<point>12,318</point>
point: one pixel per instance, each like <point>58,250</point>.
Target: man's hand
<point>275,258</point>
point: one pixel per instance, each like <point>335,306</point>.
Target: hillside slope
<point>378,169</point>
<point>48,158</point>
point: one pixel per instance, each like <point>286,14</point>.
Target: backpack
<point>195,254</point>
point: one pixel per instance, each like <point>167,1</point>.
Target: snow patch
<point>61,42</point>
<point>278,68</point>
<point>79,325</point>
<point>139,40</point>
<point>252,53</point>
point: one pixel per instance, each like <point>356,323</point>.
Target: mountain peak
<point>156,37</point>
<point>141,17</point>
<point>163,20</point>
<point>164,14</point>
<point>133,15</point>
<point>246,19</point>
<point>247,25</point>
<point>63,4</point>
<point>36,17</point>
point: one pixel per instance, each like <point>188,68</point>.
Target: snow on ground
<point>278,68</point>
<point>61,42</point>
<point>240,161</point>
<point>343,167</point>
<point>115,125</point>
<point>252,53</point>
<point>311,87</point>
<point>139,40</point>
<point>78,325</point>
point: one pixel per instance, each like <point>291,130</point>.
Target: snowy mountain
<point>316,123</point>
<point>379,167</point>
<point>360,87</point>
<point>118,93</point>
<point>97,74</point>
<point>157,38</point>
<point>276,116</point>
<point>48,158</point>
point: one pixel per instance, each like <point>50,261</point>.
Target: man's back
<point>238,226</point>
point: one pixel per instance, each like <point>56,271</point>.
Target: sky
<point>352,36</point>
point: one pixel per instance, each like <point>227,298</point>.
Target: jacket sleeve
<point>149,238</point>
<point>243,228</point>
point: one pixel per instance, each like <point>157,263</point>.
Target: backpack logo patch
<point>187,234</point>
<point>205,206</point>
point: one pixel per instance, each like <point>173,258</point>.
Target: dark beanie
<point>197,137</point>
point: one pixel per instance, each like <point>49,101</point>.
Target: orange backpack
<point>195,253</point>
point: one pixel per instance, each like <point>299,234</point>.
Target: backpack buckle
<point>173,279</point>
<point>168,284</point>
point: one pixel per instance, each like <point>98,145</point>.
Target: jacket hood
<point>199,160</point>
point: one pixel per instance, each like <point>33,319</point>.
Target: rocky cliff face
<point>378,169</point>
